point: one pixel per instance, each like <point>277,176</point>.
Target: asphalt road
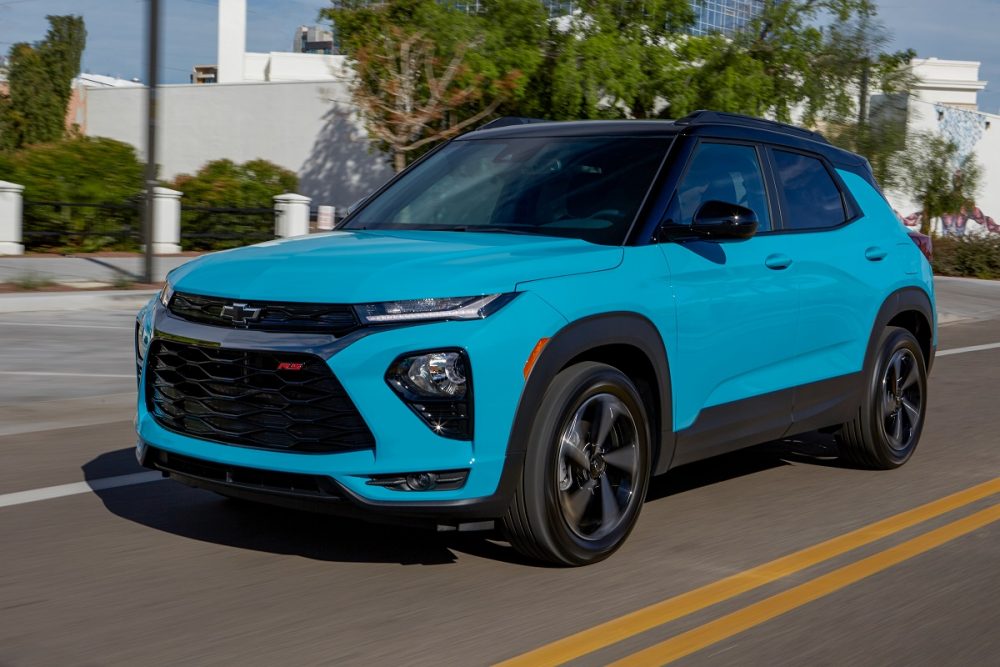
<point>155,573</point>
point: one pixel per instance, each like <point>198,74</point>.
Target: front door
<point>737,311</point>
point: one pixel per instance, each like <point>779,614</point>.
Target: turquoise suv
<point>524,326</point>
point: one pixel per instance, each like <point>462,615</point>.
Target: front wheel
<point>586,469</point>
<point>887,427</point>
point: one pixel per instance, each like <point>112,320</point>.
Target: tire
<point>885,432</point>
<point>580,494</point>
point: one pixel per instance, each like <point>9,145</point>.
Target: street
<point>101,569</point>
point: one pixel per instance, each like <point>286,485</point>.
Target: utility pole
<point>152,81</point>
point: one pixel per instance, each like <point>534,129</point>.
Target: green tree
<point>935,174</point>
<point>83,170</point>
<point>40,83</point>
<point>856,66</point>
<point>224,184</point>
<point>794,55</point>
<point>424,70</point>
<point>614,59</point>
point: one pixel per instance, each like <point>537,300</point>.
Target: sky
<point>947,29</point>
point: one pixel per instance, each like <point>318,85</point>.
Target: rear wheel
<point>887,428</point>
<point>586,469</point>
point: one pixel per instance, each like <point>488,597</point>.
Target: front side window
<point>811,198</point>
<point>584,187</point>
<point>728,173</point>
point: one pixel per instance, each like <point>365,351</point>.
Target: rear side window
<point>811,197</point>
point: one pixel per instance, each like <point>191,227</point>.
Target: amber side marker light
<point>533,357</point>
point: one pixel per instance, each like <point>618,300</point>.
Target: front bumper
<point>497,347</point>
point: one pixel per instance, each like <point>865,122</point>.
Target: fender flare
<point>579,337</point>
<point>900,301</point>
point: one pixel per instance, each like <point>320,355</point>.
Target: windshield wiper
<point>500,229</point>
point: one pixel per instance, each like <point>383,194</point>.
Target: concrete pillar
<point>11,242</point>
<point>232,40</point>
<point>291,215</point>
<point>166,221</point>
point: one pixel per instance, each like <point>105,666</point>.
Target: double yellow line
<point>611,632</point>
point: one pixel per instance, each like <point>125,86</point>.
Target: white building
<point>293,109</point>
<point>945,101</point>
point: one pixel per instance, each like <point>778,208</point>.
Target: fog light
<point>440,480</point>
<point>422,481</point>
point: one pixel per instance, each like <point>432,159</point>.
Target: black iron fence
<point>217,228</point>
<point>82,227</point>
<point>89,227</point>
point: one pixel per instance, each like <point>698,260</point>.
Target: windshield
<point>588,188</point>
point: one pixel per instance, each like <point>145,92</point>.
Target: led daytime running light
<point>468,308</point>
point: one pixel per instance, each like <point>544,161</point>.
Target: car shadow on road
<point>200,515</point>
<point>810,448</point>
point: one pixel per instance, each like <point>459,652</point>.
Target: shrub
<point>969,256</point>
<point>226,205</point>
<point>81,170</point>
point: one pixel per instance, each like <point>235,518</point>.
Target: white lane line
<point>68,375</point>
<point>49,492</point>
<point>971,348</point>
<point>45,325</point>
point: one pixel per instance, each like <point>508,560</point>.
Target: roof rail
<point>704,117</point>
<point>506,121</point>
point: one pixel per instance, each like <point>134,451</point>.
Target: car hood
<point>368,266</point>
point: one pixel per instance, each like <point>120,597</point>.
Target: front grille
<point>270,400</point>
<point>336,319</point>
<point>248,478</point>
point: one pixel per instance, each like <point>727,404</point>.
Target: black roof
<point>700,123</point>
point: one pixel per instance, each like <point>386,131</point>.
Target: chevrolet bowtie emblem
<point>241,313</point>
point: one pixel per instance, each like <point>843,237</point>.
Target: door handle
<point>875,254</point>
<point>778,262</point>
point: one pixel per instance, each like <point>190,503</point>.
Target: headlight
<point>437,386</point>
<point>434,375</point>
<point>166,294</point>
<point>450,308</point>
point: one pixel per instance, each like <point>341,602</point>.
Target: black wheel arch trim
<point>898,302</point>
<point>577,339</point>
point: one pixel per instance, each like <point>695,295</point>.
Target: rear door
<point>844,262</point>
<point>737,310</point>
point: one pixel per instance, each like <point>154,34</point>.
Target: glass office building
<point>724,16</point>
<point>555,7</point>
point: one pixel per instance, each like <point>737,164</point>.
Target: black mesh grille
<point>270,400</point>
<point>336,319</point>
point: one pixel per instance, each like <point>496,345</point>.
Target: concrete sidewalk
<point>82,269</point>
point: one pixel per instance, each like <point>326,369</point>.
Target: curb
<point>96,300</point>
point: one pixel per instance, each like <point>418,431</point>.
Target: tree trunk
<point>863,95</point>
<point>925,221</point>
<point>399,161</point>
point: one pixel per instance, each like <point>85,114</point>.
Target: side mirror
<point>721,221</point>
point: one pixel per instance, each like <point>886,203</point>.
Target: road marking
<point>647,618</point>
<point>49,492</point>
<point>69,375</point>
<point>971,348</point>
<point>45,325</point>
<point>731,624</point>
